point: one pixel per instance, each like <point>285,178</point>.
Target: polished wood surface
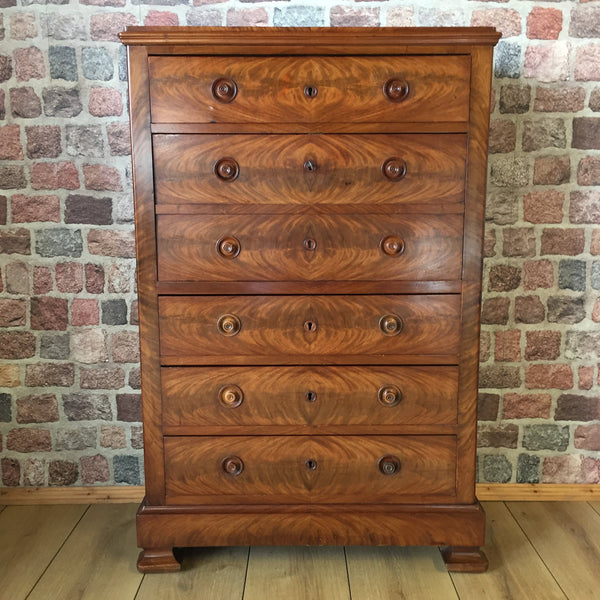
<point>309,247</point>
<point>313,89</point>
<point>346,169</point>
<point>340,326</point>
<point>311,469</point>
<point>309,396</point>
<point>306,197</point>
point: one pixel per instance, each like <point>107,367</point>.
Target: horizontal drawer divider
<point>298,359</point>
<point>296,430</point>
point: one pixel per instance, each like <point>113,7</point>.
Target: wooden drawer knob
<point>394,169</point>
<point>229,325</point>
<point>229,247</point>
<point>224,89</point>
<point>233,465</point>
<point>396,89</point>
<point>391,324</point>
<point>392,245</point>
<point>389,395</point>
<point>389,465</point>
<point>231,396</point>
<point>227,169</point>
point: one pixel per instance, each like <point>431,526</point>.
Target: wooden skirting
<point>135,493</point>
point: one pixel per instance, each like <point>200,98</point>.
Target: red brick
<point>596,312</point>
<point>85,311</point>
<point>121,277</point>
<point>15,241</point>
<point>505,20</point>
<point>502,137</point>
<point>62,473</point>
<point>587,437</point>
<point>547,63</point>
<point>489,243</point>
<point>24,103</point>
<point>585,207</point>
<point>94,469</point>
<point>105,102</point>
<point>12,176</point>
<point>586,133</point>
<point>499,377</point>
<point>505,435</point>
<point>16,344</point>
<point>29,439</point>
<point>89,346</point>
<point>504,278</point>
<point>529,309</point>
<point>11,472</point>
<point>69,277</point>
<point>518,241</point>
<point>101,177</point>
<point>118,139</point>
<point>485,342</point>
<point>10,143</point>
<point>546,377</point>
<point>544,23</point>
<point>41,408</point>
<point>569,242</point>
<point>12,312</point>
<point>487,406</point>
<point>105,27</point>
<point>134,318</point>
<point>54,176</point>
<point>112,436</point>
<point>508,346</point>
<point>585,22</point>
<point>49,313</point>
<point>586,377</point>
<point>561,99</point>
<point>102,378</point>
<point>111,243</point>
<point>588,171</point>
<point>29,63</point>
<point>43,141</point>
<point>129,407</point>
<point>576,407</point>
<point>49,375</point>
<point>94,278</point>
<point>587,63</point>
<point>342,16</point>
<point>22,26</point>
<point>125,347</point>
<point>31,209</point>
<point>3,210</point>
<point>543,207</point>
<point>526,406</point>
<point>562,469</point>
<point>42,280</point>
<point>247,17</point>
<point>542,345</point>
<point>158,17</point>
<point>495,310</point>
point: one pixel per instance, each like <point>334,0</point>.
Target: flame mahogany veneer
<point>309,212</point>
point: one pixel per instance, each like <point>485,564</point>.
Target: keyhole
<point>310,326</point>
<point>311,396</point>
<point>310,91</point>
<point>309,244</point>
<point>311,464</point>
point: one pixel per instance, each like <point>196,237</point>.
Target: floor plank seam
<point>536,551</point>
<point>246,573</point>
<point>593,507</point>
<point>37,581</point>
<point>347,575</point>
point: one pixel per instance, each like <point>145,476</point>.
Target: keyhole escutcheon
<point>310,326</point>
<point>310,91</point>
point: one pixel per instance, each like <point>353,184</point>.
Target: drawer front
<point>308,89</point>
<point>319,469</point>
<point>252,329</point>
<point>315,396</point>
<point>309,247</point>
<point>374,169</point>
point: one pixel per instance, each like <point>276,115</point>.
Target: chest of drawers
<point>309,217</point>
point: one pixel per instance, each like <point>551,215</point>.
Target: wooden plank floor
<point>537,551</point>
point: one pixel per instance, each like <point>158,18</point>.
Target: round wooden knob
<point>227,169</point>
<point>229,325</point>
<point>228,247</point>
<point>389,465</point>
<point>394,169</point>
<point>233,465</point>
<point>231,396</point>
<point>396,89</point>
<point>389,395</point>
<point>224,89</point>
<point>392,245</point>
<point>391,324</point>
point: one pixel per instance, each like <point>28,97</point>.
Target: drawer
<point>318,469</point>
<point>370,169</point>
<point>283,329</point>
<point>309,89</point>
<point>311,396</point>
<point>259,247</point>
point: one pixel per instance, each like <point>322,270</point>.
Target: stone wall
<point>69,373</point>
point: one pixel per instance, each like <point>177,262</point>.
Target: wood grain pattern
<point>271,169</point>
<point>278,396</point>
<point>297,573</point>
<point>273,89</point>
<point>30,536</point>
<point>276,471</point>
<point>343,247</point>
<point>277,325</point>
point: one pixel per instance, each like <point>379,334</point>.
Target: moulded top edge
<point>315,36</point>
